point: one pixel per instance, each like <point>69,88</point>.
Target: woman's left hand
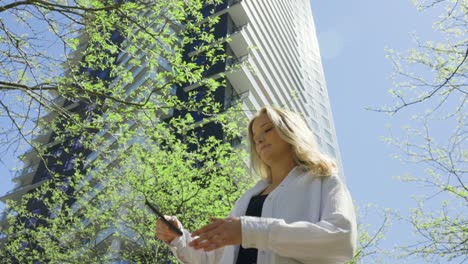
<point>220,233</point>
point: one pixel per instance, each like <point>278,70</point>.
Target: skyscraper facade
<point>285,64</point>
<point>277,61</point>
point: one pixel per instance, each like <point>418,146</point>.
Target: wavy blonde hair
<point>292,128</point>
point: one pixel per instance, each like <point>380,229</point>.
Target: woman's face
<point>268,144</point>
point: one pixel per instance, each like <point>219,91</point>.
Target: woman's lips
<point>263,147</point>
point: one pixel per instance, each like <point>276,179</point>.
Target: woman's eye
<point>269,129</point>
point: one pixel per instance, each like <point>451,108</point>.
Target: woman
<point>300,212</point>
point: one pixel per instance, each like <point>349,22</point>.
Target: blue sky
<point>352,37</point>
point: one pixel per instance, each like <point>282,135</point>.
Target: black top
<point>249,255</point>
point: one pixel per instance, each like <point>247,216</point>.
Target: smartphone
<point>161,216</point>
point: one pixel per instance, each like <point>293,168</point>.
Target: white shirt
<point>305,219</point>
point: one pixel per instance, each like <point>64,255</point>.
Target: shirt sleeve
<point>188,255</point>
<point>333,238</point>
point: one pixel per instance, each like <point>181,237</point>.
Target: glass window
<point>331,150</point>
<point>325,121</point>
<point>315,125</point>
<point>328,135</point>
<point>318,139</point>
<point>324,108</point>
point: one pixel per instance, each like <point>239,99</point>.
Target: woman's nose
<point>258,138</point>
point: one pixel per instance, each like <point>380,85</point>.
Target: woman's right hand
<point>163,232</point>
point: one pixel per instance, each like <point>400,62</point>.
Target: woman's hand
<point>220,233</point>
<point>163,232</point>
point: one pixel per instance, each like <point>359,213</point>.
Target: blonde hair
<point>292,128</point>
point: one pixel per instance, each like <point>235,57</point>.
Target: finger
<point>216,242</point>
<point>203,244</point>
<point>164,238</point>
<point>206,228</point>
<point>160,222</point>
<point>207,238</point>
<point>164,226</point>
<point>196,242</point>
<point>203,230</point>
<point>171,219</point>
<point>202,238</point>
<point>200,241</point>
<point>212,247</point>
<point>164,234</point>
<point>167,238</point>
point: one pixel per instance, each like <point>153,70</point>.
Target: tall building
<point>275,46</point>
<point>286,64</point>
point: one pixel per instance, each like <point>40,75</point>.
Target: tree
<point>60,47</point>
<point>431,87</point>
<point>370,237</point>
<point>132,112</point>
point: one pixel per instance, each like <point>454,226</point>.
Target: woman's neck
<point>279,170</point>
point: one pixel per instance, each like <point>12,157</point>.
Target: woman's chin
<point>267,158</point>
